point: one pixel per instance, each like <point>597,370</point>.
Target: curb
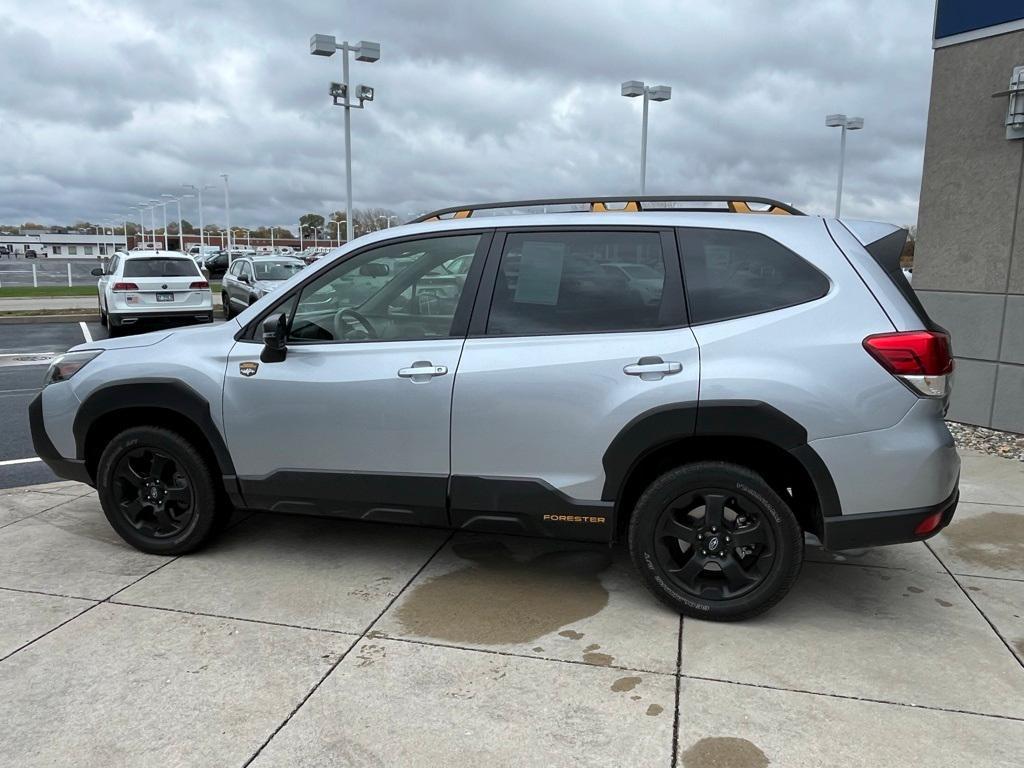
<point>27,319</point>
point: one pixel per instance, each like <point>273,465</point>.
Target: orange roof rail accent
<point>632,204</point>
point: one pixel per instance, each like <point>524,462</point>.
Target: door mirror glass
<point>275,338</point>
<point>97,272</point>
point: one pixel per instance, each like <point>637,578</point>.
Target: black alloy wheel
<point>153,493</point>
<point>715,541</point>
<point>714,544</point>
<point>158,492</point>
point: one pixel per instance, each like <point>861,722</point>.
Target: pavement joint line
<point>267,622</point>
<point>851,697</point>
<point>679,673</point>
<point>66,500</point>
<point>514,655</point>
<point>83,612</point>
<point>342,657</point>
<point>993,578</point>
<point>977,607</point>
<point>48,594</point>
<point>992,503</point>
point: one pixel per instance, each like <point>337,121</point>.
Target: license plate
<point>165,297</point>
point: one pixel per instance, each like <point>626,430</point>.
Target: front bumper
<point>879,528</point>
<point>69,469</point>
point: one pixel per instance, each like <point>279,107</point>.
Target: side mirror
<point>97,272</point>
<point>275,339</point>
<point>374,269</point>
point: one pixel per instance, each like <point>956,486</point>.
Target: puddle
<point>655,709</point>
<point>571,634</point>
<point>993,539</point>
<point>500,599</point>
<point>624,684</point>
<point>915,590</point>
<point>1019,645</point>
<point>724,752</point>
<point>943,603</point>
<point>598,659</point>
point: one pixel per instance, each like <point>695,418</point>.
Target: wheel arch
<point>746,432</point>
<point>153,402</point>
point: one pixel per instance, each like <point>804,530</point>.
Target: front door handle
<point>422,370</point>
<point>652,368</point>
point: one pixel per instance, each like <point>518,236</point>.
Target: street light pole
<point>846,124</point>
<point>300,236</point>
<point>227,213</point>
<point>142,222</point>
<point>327,45</point>
<point>199,200</point>
<point>630,89</point>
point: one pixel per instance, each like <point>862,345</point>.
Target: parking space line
<point>85,332</point>
<point>10,462</point>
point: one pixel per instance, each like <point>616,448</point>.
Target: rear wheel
<point>103,316</point>
<point>714,541</point>
<point>157,491</point>
<point>225,304</point>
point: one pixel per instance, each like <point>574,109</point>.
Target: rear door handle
<point>652,368</point>
<point>422,370</point>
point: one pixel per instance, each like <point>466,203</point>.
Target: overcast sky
<point>105,103</point>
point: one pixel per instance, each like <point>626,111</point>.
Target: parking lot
<point>300,641</point>
<point>49,271</point>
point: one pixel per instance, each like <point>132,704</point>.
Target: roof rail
<point>630,203</point>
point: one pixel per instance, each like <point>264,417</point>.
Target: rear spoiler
<point>885,243</point>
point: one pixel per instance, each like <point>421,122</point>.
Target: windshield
<point>276,270</point>
<point>160,267</point>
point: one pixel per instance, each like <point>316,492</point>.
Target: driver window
<point>401,291</point>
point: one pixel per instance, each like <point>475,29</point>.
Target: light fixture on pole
<point>337,229</point>
<point>141,207</point>
<point>631,89</point>
<point>327,45</point>
<point>300,236</point>
<point>227,213</point>
<point>847,124</point>
<point>199,200</point>
<point>181,232</point>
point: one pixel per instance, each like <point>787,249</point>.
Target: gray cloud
<point>121,101</point>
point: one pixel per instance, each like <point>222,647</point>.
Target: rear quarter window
<point>732,273</point>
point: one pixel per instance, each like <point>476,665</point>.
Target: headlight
<point>67,365</point>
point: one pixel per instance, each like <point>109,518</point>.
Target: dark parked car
<point>216,265</point>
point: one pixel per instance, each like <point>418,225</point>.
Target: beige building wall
<point>969,260</point>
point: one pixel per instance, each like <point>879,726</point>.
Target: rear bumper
<point>69,469</point>
<point>158,316</point>
<point>879,528</point>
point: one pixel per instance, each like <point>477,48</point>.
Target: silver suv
<point>773,375</point>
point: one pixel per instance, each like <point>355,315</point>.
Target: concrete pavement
<point>307,642</point>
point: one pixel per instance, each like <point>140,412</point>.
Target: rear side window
<point>160,268</point>
<point>732,273</point>
<point>581,282</point>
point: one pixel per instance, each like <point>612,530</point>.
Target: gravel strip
<point>1009,445</point>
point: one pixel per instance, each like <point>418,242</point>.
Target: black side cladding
<point>886,252</point>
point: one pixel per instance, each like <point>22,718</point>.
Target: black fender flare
<point>169,394</point>
<point>714,418</point>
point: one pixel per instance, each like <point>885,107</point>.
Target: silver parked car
<point>250,278</point>
<point>781,379</point>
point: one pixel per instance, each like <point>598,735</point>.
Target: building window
<point>88,250</point>
<point>72,250</point>
<point>56,250</point>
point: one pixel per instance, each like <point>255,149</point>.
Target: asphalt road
<point>25,351</point>
<point>51,271</point>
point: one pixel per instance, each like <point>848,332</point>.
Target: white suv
<point>152,286</point>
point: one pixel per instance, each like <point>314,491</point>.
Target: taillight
<point>921,359</point>
<point>125,287</point>
<point>200,284</point>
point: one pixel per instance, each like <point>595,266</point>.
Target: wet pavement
<point>301,641</point>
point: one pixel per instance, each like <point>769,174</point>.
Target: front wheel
<point>225,304</point>
<point>157,491</point>
<point>714,541</point>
